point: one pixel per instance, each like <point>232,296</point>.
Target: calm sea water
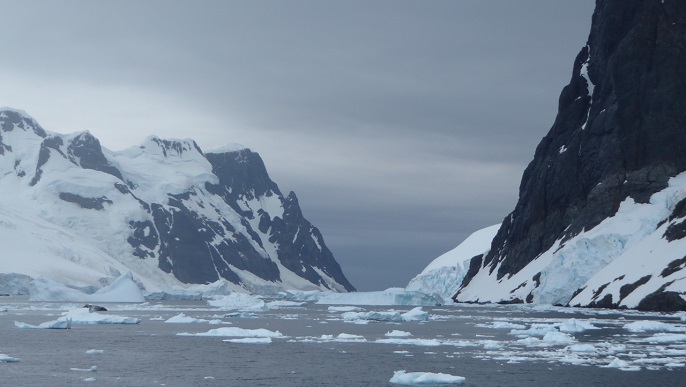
<point>152,354</point>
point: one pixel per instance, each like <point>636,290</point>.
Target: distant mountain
<point>601,216</point>
<point>167,211</point>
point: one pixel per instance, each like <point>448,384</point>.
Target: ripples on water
<point>318,348</point>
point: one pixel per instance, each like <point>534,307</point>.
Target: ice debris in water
<point>416,314</point>
<point>8,359</point>
<point>574,326</point>
<point>652,326</point>
<point>181,318</point>
<point>83,316</point>
<point>392,296</point>
<point>54,324</point>
<point>250,340</point>
<point>424,378</point>
<point>397,333</point>
<point>236,332</point>
<point>92,369</point>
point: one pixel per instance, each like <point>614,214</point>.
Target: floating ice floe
<point>236,332</point>
<point>54,324</point>
<point>84,316</point>
<point>344,338</point>
<point>534,330</point>
<point>345,309</point>
<point>622,365</point>
<point>397,333</point>
<point>583,348</point>
<point>92,369</point>
<point>416,314</point>
<point>238,301</point>
<point>392,296</point>
<point>250,340</point>
<point>240,315</point>
<point>8,359</point>
<point>181,318</point>
<point>123,289</point>
<point>284,304</point>
<point>501,325</point>
<point>574,326</point>
<point>652,326</point>
<point>417,342</point>
<point>424,378</point>
<point>663,338</point>
<point>558,338</point>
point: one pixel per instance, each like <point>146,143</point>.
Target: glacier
<point>443,276</point>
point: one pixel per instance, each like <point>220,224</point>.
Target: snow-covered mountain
<point>601,216</point>
<point>168,212</point>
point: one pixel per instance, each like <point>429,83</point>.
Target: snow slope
<point>624,259</point>
<point>443,275</point>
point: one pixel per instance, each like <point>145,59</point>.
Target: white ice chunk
<point>250,340</point>
<point>397,333</point>
<point>416,314</point>
<point>666,338</point>
<point>652,326</point>
<point>587,348</point>
<point>424,378</point>
<point>558,338</point>
<point>8,359</point>
<point>181,318</point>
<point>92,369</point>
<point>574,326</point>
<point>236,332</point>
<point>54,324</point>
<point>501,325</point>
<point>418,342</point>
<point>84,316</point>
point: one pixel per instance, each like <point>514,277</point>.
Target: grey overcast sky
<point>402,126</point>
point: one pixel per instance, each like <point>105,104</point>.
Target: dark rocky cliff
<point>620,132</point>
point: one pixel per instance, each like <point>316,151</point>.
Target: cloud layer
<point>402,126</point>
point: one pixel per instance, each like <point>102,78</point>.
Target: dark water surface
<point>152,354</point>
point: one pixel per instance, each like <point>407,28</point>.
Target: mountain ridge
<point>166,205</point>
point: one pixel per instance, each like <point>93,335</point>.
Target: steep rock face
<point>620,134</point>
<point>165,210</point>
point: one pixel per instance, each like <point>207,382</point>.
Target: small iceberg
<point>236,332</point>
<point>250,340</point>
<point>84,316</point>
<point>8,359</point>
<point>181,318</point>
<point>92,369</point>
<point>424,378</point>
<point>55,324</point>
<point>416,314</point>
